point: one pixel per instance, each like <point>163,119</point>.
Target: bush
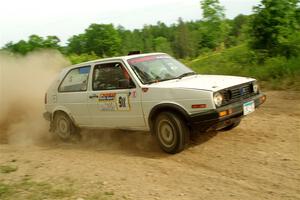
<point>75,58</point>
<point>274,73</point>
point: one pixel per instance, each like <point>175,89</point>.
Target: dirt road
<point>260,159</point>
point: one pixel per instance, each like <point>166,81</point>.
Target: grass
<point>5,169</point>
<point>32,190</point>
<point>101,196</point>
<point>5,190</point>
<point>273,73</point>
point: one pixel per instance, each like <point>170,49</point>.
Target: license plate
<point>249,107</point>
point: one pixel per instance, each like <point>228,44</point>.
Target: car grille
<point>237,93</point>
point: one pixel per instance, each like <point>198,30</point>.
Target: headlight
<point>218,99</point>
<point>255,87</point>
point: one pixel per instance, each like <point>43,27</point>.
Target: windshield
<point>151,69</point>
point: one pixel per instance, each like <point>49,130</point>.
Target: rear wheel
<point>64,127</point>
<point>171,132</point>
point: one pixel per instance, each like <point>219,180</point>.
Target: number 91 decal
<point>122,102</point>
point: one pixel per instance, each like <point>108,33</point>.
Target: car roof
<point>111,58</point>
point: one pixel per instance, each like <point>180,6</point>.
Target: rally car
<point>150,92</point>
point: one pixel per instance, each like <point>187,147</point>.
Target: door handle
<point>93,96</point>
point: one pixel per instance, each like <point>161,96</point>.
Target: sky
<point>65,18</point>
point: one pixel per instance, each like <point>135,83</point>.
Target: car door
<point>72,95</point>
<point>114,99</point>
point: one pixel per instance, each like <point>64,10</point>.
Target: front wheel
<point>171,132</point>
<point>64,127</point>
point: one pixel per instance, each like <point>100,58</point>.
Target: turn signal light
<point>263,99</point>
<point>225,112</point>
<point>199,106</point>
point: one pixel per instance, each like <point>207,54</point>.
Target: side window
<point>76,80</point>
<point>110,76</point>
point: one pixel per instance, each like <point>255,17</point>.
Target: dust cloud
<point>23,83</point>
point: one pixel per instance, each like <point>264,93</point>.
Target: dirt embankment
<point>260,159</point>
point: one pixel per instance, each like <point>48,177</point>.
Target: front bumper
<point>211,120</point>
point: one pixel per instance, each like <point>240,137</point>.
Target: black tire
<point>171,132</point>
<point>64,128</point>
<point>231,126</point>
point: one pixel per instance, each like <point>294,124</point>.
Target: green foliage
<point>102,39</point>
<point>127,38</point>
<point>26,189</point>
<point>56,189</point>
<point>147,38</point>
<point>272,34</point>
<point>5,169</point>
<point>161,44</point>
<point>34,42</point>
<point>77,44</point>
<point>274,73</point>
<point>274,27</point>
<point>214,28</point>
<point>212,10</point>
<point>5,190</point>
<point>239,32</point>
<point>182,41</point>
<point>274,30</point>
<point>84,57</point>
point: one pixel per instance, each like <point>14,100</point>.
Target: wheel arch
<point>166,107</point>
<point>63,110</point>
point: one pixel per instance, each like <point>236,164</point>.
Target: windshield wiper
<point>167,79</point>
<point>186,74</point>
<point>157,81</point>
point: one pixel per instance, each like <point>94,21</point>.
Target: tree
<point>147,39</point>
<point>161,44</point>
<point>239,31</point>
<point>101,39</point>
<point>34,42</point>
<point>273,27</point>
<point>77,44</point>
<point>84,57</point>
<point>51,42</point>
<point>214,28</point>
<point>212,11</point>
<point>182,43</point>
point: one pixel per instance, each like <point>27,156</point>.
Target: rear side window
<point>76,80</point>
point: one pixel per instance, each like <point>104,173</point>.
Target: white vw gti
<point>152,92</point>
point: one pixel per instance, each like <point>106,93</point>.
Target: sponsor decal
<point>107,106</point>
<point>133,94</point>
<point>107,96</point>
<point>114,101</point>
<point>146,58</point>
<point>122,102</point>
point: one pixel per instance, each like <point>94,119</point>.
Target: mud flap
<point>52,127</point>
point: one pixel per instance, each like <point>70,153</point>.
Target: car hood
<point>203,82</point>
